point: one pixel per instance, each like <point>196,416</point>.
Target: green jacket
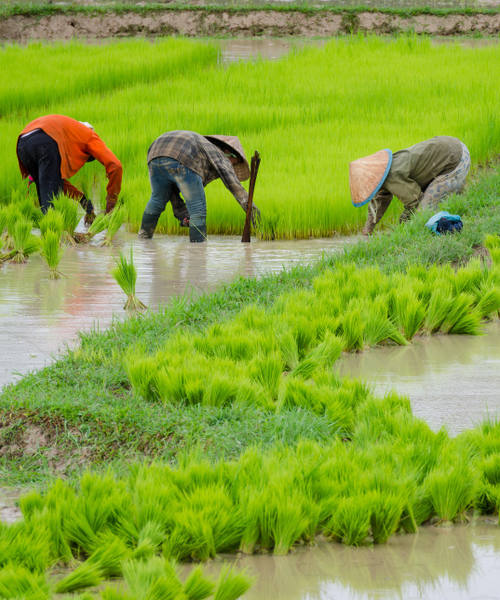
<point>411,172</point>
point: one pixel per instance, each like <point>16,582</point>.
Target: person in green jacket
<point>420,176</point>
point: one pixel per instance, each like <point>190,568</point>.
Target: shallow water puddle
<point>38,316</point>
<point>451,380</point>
<point>458,562</point>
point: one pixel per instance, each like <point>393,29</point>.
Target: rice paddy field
<point>217,426</point>
<point>309,114</point>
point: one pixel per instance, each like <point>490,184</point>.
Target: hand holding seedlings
<point>420,176</point>
<point>63,146</point>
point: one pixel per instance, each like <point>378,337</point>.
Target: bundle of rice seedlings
<point>69,211</point>
<point>267,371</point>
<point>461,317</point>
<point>352,331</point>
<point>52,251</point>
<point>116,220</point>
<point>19,582</point>
<point>322,356</point>
<point>408,312</point>
<point>100,224</point>
<point>439,305</point>
<point>350,522</point>
<point>232,585</point>
<point>489,302</point>
<point>125,275</point>
<point>24,242</point>
<point>290,521</point>
<point>52,221</point>
<point>197,586</point>
<point>13,217</point>
<point>149,540</point>
<point>103,563</point>
<point>451,490</point>
<point>221,390</point>
<point>387,508</point>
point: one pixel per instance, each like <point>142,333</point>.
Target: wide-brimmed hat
<point>232,144</point>
<point>367,175</point>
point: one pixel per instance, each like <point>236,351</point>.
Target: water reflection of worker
<point>185,162</point>
<point>53,148</point>
<point>420,176</point>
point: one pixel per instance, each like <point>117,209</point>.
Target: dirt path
<point>244,24</point>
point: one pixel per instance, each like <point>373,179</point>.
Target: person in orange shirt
<point>53,148</point>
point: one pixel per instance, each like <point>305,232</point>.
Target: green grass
<point>403,8</point>
<point>291,110</point>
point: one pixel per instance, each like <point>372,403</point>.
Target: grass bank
<point>404,9</point>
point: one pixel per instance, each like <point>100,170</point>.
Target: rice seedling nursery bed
<point>287,453</point>
<point>309,114</point>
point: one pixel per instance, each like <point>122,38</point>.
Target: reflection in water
<point>451,380</point>
<point>39,315</point>
<point>458,562</point>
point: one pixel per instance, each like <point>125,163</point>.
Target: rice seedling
<point>19,582</point>
<point>125,275</point>
<point>115,221</point>
<point>386,513</point>
<point>69,211</point>
<point>53,220</point>
<point>231,585</point>
<point>52,252</point>
<point>350,522</point>
<point>451,490</point>
<point>197,586</point>
<point>408,312</point>
<point>461,317</point>
<point>352,331</point>
<point>24,242</point>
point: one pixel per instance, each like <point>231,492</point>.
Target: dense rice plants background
<point>309,114</point>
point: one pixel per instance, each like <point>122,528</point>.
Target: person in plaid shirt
<point>184,162</point>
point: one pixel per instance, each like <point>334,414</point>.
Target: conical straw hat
<point>367,174</point>
<point>232,143</point>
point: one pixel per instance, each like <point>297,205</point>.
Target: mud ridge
<point>194,23</point>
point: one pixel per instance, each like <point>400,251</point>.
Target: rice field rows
<point>309,114</point>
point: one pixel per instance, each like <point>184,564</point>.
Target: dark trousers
<point>40,156</point>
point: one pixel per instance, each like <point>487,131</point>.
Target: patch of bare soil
<point>254,23</point>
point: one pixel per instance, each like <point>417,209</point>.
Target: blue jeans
<point>167,176</point>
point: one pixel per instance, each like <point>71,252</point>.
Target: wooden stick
<point>254,167</point>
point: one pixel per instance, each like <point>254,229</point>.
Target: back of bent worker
<point>54,147</point>
<point>183,162</point>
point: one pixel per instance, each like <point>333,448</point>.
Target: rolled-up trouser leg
<point>450,183</point>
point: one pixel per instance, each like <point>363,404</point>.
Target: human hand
<point>89,218</point>
<point>256,218</point>
<point>110,203</point>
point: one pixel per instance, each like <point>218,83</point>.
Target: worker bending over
<point>184,162</point>
<point>420,176</point>
<point>53,148</point>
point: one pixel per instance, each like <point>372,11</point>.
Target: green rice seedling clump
<point>24,242</point>
<point>69,211</point>
<point>52,251</point>
<point>125,275</point>
<point>53,220</point>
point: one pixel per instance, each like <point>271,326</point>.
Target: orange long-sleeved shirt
<point>76,144</point>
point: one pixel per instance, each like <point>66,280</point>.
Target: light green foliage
<point>68,208</point>
<point>53,220</point>
<point>451,488</point>
<point>291,110</point>
<point>125,275</point>
<point>52,251</point>
<point>232,585</point>
<point>19,582</point>
<point>24,243</point>
<point>115,221</point>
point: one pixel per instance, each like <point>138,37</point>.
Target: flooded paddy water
<point>38,316</point>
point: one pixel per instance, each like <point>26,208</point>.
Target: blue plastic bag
<point>444,222</point>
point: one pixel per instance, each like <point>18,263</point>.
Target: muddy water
<point>245,49</point>
<point>456,563</point>
<point>38,316</point>
<point>451,380</point>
